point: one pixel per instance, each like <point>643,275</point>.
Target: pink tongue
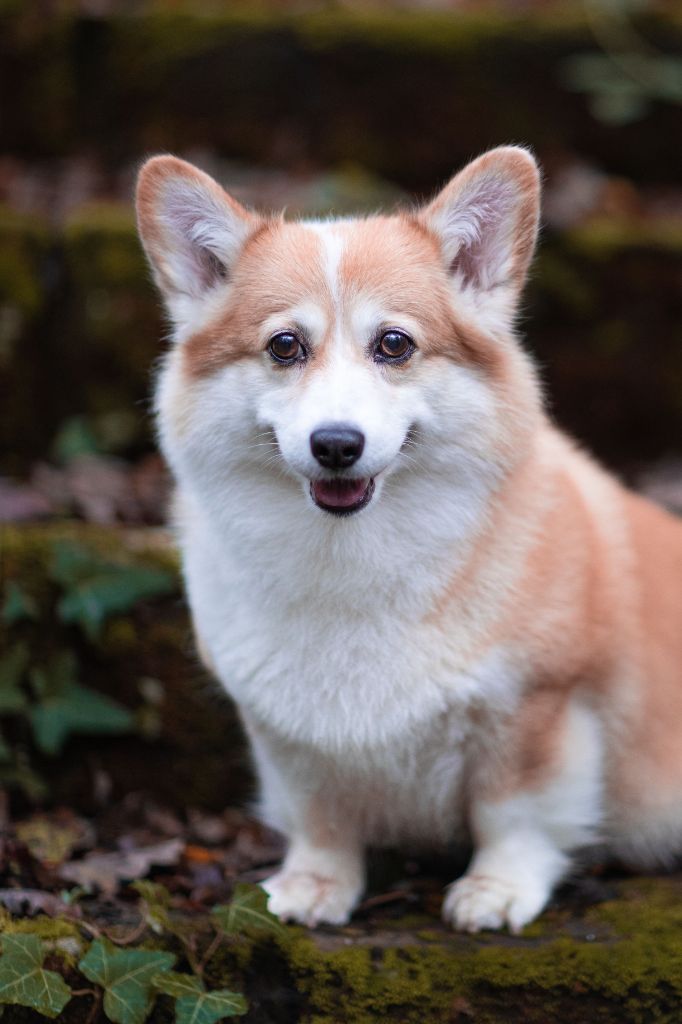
<point>339,493</point>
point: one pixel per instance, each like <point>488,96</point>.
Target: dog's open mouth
<point>342,497</point>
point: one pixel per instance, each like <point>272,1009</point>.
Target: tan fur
<point>599,607</point>
<point>396,257</point>
<point>279,267</point>
<point>649,769</point>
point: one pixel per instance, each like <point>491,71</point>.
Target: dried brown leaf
<point>106,870</point>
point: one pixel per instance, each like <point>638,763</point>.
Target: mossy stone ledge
<point>618,961</point>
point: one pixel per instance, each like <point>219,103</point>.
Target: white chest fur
<point>340,668</point>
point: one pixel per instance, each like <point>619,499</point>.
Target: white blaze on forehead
<point>333,245</point>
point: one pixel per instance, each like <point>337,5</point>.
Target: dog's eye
<point>394,345</point>
<point>286,348</point>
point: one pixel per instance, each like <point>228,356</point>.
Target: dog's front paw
<point>480,901</point>
<point>311,899</point>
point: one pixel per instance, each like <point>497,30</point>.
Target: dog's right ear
<point>191,229</point>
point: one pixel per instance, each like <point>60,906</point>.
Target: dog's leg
<point>522,840</point>
<point>323,874</point>
<point>316,884</point>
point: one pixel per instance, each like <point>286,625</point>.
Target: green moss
<point>627,970</point>
<point>428,935</point>
<point>178,33</point>
<point>621,962</point>
<point>102,248</point>
<point>646,907</point>
<point>114,299</point>
<point>48,928</point>
<point>604,238</point>
<point>27,550</point>
<point>61,936</point>
<point>23,243</point>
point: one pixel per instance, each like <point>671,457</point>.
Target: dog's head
<point>329,358</point>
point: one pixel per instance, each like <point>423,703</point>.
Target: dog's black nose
<point>337,446</point>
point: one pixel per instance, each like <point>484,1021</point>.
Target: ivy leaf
<point>247,911</point>
<point>72,562</point>
<point>126,977</point>
<point>17,605</point>
<point>77,709</point>
<point>156,902</point>
<point>13,664</point>
<point>174,984</point>
<point>25,982</point>
<point>64,706</point>
<point>194,1005</point>
<point>75,437</point>
<point>115,589</point>
<point>208,1007</point>
<point>96,588</point>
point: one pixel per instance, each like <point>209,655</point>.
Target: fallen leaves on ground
<point>52,838</point>
<point>61,863</point>
<point>95,487</point>
<point>106,871</point>
<point>21,902</point>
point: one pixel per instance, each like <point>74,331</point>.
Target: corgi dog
<point>437,617</point>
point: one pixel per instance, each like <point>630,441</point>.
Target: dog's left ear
<point>486,219</point>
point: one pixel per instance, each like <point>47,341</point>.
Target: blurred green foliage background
<point>335,107</point>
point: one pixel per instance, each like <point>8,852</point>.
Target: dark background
<point>334,107</point>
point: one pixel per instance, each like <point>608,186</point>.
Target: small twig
<point>206,959</point>
<point>96,994</point>
<point>125,940</point>
<point>384,897</point>
<point>190,948</point>
<point>91,928</point>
